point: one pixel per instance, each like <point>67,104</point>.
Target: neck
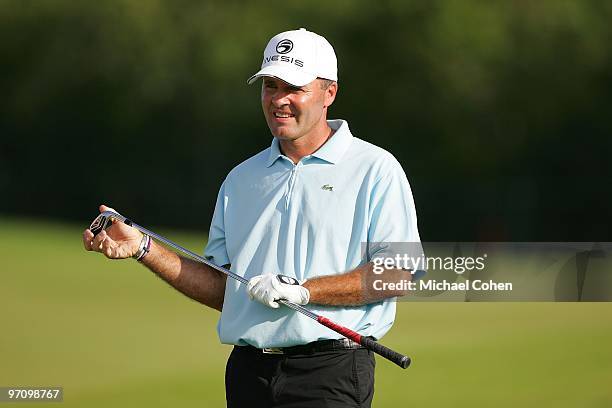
<point>307,144</point>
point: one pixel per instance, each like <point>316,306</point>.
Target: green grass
<point>113,334</point>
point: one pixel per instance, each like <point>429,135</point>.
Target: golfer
<point>302,220</point>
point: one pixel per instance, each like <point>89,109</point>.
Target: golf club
<point>105,220</point>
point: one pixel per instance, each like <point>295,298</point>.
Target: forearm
<point>354,288</point>
<point>195,280</point>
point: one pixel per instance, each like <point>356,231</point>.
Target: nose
<point>280,98</point>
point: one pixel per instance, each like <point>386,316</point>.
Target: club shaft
<point>397,358</point>
<point>189,253</point>
<point>221,269</point>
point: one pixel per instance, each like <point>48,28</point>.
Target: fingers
<point>96,244</point>
<point>108,248</point>
<point>102,242</point>
<point>260,289</point>
<point>88,236</point>
<point>93,243</point>
<point>251,285</point>
<point>99,243</point>
<point>104,207</point>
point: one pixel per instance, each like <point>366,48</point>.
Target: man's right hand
<point>119,241</point>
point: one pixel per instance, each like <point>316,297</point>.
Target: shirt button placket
<point>291,184</point>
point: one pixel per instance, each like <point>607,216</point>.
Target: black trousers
<point>340,378</point>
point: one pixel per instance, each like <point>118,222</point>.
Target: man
<point>293,219</point>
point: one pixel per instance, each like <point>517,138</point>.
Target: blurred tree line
<point>499,111</point>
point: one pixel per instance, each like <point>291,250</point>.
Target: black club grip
<point>399,359</point>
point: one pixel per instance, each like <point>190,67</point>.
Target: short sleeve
<point>393,221</point>
<point>216,250</point>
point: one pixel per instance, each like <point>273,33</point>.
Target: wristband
<point>143,248</point>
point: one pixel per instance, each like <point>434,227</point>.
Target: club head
<point>104,220</point>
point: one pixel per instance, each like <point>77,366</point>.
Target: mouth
<point>279,115</point>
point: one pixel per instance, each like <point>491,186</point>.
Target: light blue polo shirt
<point>306,220</point>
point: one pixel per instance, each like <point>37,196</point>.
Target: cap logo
<point>284,46</point>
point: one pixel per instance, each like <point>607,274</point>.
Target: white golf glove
<point>269,288</point>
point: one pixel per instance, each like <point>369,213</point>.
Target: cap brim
<point>291,76</point>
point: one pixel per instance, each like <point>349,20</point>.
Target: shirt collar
<point>331,151</point>
<point>275,152</point>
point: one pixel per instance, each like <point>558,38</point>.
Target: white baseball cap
<point>298,57</point>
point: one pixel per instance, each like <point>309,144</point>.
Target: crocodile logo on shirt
<point>327,187</point>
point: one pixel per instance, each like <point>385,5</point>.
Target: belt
<point>310,348</point>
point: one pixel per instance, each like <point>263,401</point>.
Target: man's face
<point>292,112</point>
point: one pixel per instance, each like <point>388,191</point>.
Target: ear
<point>330,94</point>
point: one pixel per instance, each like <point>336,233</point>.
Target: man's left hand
<point>269,289</point>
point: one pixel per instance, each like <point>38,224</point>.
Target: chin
<point>283,134</point>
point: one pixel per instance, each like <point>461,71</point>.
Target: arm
<point>195,280</point>
<point>355,287</point>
